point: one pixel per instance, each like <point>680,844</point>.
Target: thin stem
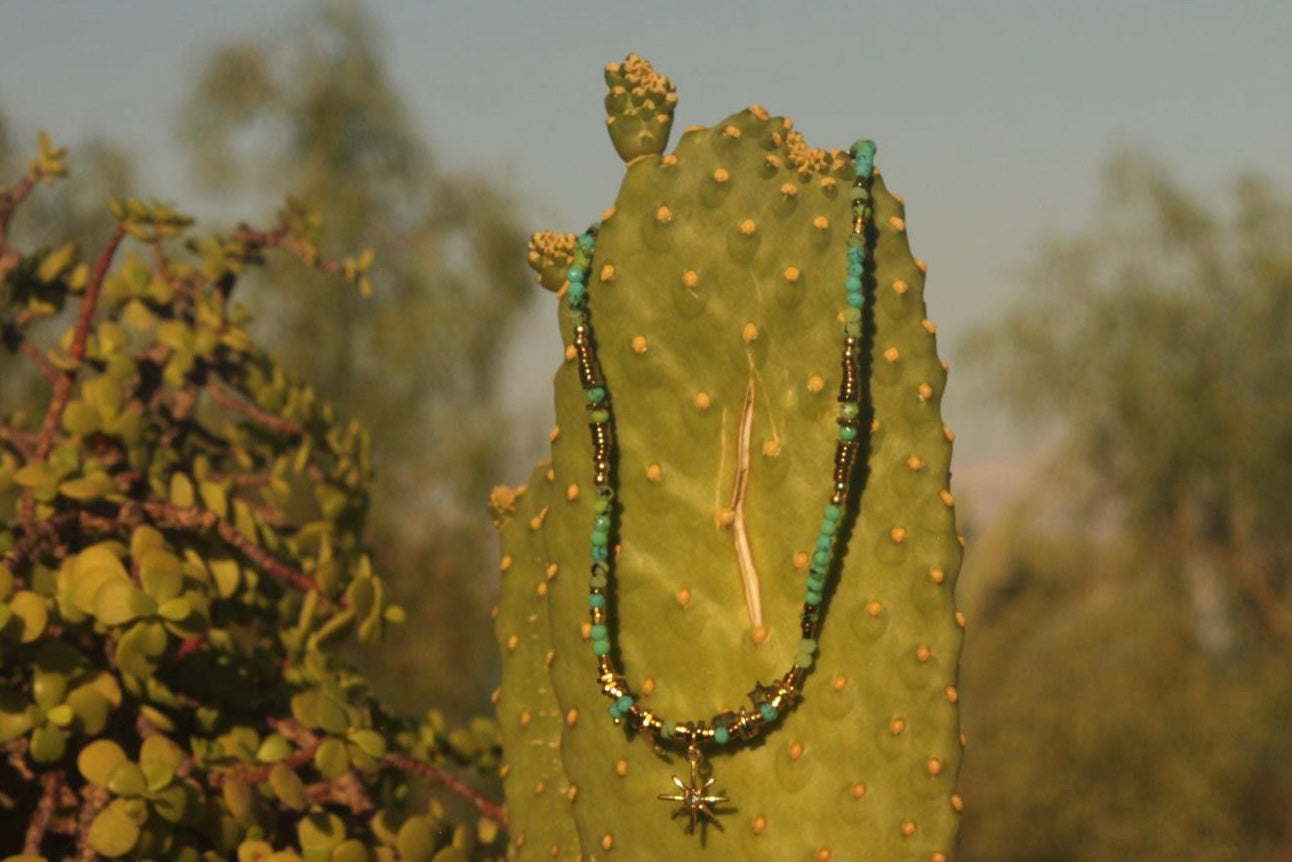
<point>222,394</point>
<point>431,772</point>
<point>51,786</point>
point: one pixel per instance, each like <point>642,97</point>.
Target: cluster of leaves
<point>182,554</point>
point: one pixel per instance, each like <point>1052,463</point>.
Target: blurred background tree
<point>1128,671</point>
<point>312,113</point>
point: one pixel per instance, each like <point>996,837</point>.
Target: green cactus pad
<point>716,293</point>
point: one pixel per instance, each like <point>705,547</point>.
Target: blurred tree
<point>1128,669</point>
<point>312,113</point>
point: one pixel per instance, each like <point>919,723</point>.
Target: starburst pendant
<point>694,797</point>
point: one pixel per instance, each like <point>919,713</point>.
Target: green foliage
<point>1129,668</point>
<point>716,291</point>
<point>183,554</point>
<point>311,112</point>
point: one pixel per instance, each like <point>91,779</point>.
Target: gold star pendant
<point>694,796</point>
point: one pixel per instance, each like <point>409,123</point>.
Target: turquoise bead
<point>596,394</point>
<point>833,512</point>
<point>856,267</point>
<point>815,584</point>
<point>852,284</point>
<point>828,528</point>
<point>587,241</point>
<point>599,633</point>
<point>600,552</point>
<point>601,647</point>
<point>847,432</point>
<point>720,735</point>
<point>601,522</point>
<point>811,597</point>
<point>600,538</point>
<point>823,543</point>
<point>818,571</point>
<point>574,274</point>
<point>864,152</point>
<point>856,300</point>
<point>596,600</point>
<point>857,252</point>
<point>624,702</point>
<point>768,711</point>
<point>575,294</point>
<point>821,557</point>
<point>615,711</point>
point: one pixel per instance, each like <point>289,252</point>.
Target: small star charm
<point>694,797</point>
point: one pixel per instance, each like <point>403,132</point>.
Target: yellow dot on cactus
<point>648,686</point>
<point>874,607</point>
<point>792,274</point>
<point>898,223</point>
<point>703,400</point>
<point>730,131</point>
<point>915,462</point>
<point>897,534</point>
<point>897,726</point>
<point>945,496</point>
<point>773,161</point>
<point>663,215</point>
<point>923,654</point>
<point>639,344</point>
<point>540,787</point>
<point>823,855</point>
<point>936,575</point>
<point>759,634</point>
<point>758,824</point>
<point>551,570</point>
<point>505,563</point>
<point>554,433</point>
<point>608,272</point>
<point>550,476</point>
<point>892,354</point>
<point>570,353</point>
<point>668,161</point>
<point>549,657</point>
<point>820,222</point>
<point>525,718</point>
<point>495,695</point>
<point>935,856</point>
<point>721,176</point>
<point>925,391</point>
<point>921,265</point>
<point>815,383</point>
<point>504,770</point>
<point>749,333</point>
<point>789,190</point>
<point>760,112</point>
<point>694,128</point>
<point>571,716</point>
<point>858,790</point>
<point>800,559</point>
<point>608,213</point>
<point>946,366</point>
<point>828,184</point>
<point>900,287</point>
<point>928,326</point>
<point>554,850</point>
<point>572,792</point>
<point>961,541</point>
<point>684,597</point>
<point>690,279</point>
<point>519,840</point>
<point>513,641</point>
<point>771,448</point>
<point>964,740</point>
<point>874,425</point>
<point>585,630</point>
<point>960,619</point>
<point>541,589</point>
<point>726,517</point>
<point>493,612</point>
<point>748,226</point>
<point>949,434</point>
<point>572,491</point>
<point>952,695</point>
<point>795,750</point>
<point>957,803</point>
<point>621,767</point>
<point>839,683</point>
<point>654,472</point>
<point>908,828</point>
<point>607,841</point>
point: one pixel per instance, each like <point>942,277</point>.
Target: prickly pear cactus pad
<point>716,289</point>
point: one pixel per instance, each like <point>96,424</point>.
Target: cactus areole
<point>727,414</point>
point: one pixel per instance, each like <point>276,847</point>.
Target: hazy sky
<point>993,118</point>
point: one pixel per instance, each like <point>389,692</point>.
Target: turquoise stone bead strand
<point>769,702</point>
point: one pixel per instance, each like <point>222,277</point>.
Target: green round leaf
<point>274,748</point>
<point>238,799</point>
<point>118,602</point>
<point>416,840</point>
<point>127,780</point>
<point>173,802</point>
<point>139,647</point>
<point>370,742</point>
<point>114,832</point>
<point>48,743</point>
<point>176,610</point>
<point>61,715</point>
<point>288,787</point>
<point>86,488</point>
<point>81,418</point>
<point>350,851</point>
<point>17,715</point>
<point>320,829</point>
<point>331,759</point>
<point>161,574</point>
<point>91,709</point>
<point>452,854</point>
<point>98,760</point>
<point>32,614</point>
<point>158,750</point>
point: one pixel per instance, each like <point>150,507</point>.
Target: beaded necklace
<point>769,702</point>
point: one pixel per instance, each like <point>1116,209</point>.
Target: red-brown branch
<point>433,773</point>
<point>51,787</point>
<point>33,353</point>
<point>10,199</point>
<point>202,520</point>
<point>258,774</point>
<point>222,394</point>
<point>22,442</point>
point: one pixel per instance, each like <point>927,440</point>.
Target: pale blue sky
<point>993,118</point>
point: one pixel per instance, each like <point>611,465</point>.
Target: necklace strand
<point>769,702</point>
